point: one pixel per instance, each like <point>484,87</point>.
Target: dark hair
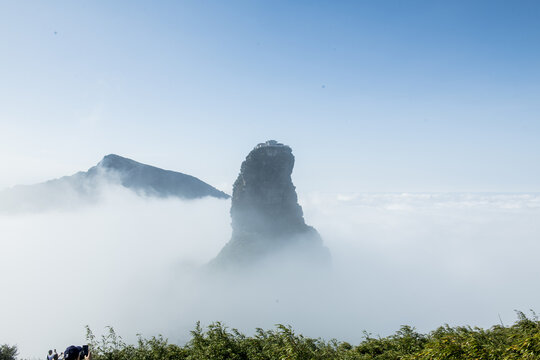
<point>72,352</point>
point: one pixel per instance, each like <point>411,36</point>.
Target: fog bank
<point>134,263</point>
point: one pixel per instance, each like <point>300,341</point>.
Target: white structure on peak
<point>269,143</point>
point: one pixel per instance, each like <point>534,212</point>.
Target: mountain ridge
<point>143,176</point>
<point>112,169</point>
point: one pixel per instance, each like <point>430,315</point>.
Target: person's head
<point>72,352</point>
<point>50,352</point>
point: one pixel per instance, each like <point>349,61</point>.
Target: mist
<point>137,264</point>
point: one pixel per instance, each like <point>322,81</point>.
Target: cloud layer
<point>134,263</point>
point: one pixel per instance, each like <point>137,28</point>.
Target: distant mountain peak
<point>114,169</point>
<point>113,161</point>
<point>266,217</point>
<point>155,181</point>
<point>114,157</point>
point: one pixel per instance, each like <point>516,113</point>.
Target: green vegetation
<point>8,352</point>
<point>519,341</point>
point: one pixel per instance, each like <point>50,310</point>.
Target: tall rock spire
<point>266,217</point>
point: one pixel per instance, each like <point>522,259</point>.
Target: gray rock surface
<point>266,217</point>
<point>85,187</point>
<point>154,181</point>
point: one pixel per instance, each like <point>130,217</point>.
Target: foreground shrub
<point>8,352</point>
<point>217,342</point>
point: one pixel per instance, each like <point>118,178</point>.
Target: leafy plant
<point>8,352</point>
<point>217,342</point>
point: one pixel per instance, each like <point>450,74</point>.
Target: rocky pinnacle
<point>266,217</point>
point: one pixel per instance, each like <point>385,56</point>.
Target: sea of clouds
<point>135,262</point>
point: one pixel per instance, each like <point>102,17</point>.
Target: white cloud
<point>131,262</point>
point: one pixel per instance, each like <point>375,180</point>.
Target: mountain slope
<point>86,186</point>
<point>153,181</point>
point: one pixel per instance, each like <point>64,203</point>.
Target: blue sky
<point>371,95</point>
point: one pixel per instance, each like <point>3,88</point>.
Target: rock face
<point>266,217</point>
<point>154,181</point>
<point>85,187</point>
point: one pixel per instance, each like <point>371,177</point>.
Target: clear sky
<point>371,95</point>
